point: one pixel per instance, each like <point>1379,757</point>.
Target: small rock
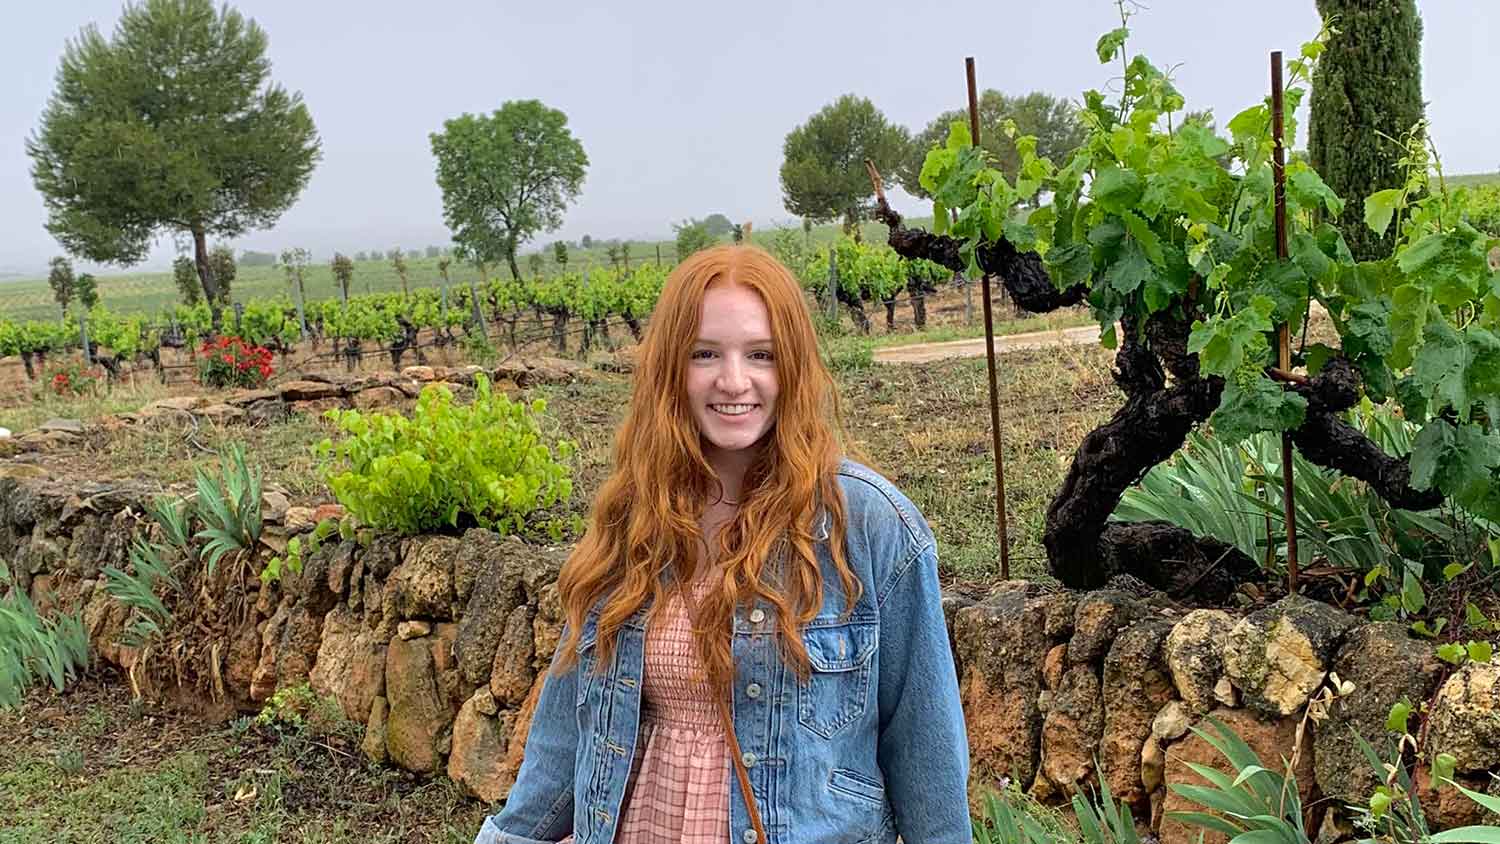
<point>1099,616</point>
<point>299,519</point>
<point>419,373</point>
<point>223,414</point>
<point>187,403</point>
<point>409,630</point>
<point>377,397</point>
<point>327,512</point>
<point>1278,656</point>
<point>1225,694</point>
<point>4,433</point>
<point>1466,718</point>
<point>1171,722</point>
<point>66,426</point>
<point>303,391</point>
<point>1153,764</point>
<point>374,742</point>
<point>485,702</point>
<point>1195,656</point>
<point>1072,730</point>
<point>273,506</point>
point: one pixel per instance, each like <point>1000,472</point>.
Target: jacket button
<point>748,837</point>
<point>757,615</point>
<point>752,691</point>
<point>749,759</point>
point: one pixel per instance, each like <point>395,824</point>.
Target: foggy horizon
<point>681,116</point>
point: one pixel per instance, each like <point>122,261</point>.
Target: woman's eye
<point>702,354</point>
<point>763,356</point>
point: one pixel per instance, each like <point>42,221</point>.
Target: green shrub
<point>1013,817</point>
<point>849,354</point>
<point>137,589</point>
<point>228,506</point>
<point>33,648</point>
<point>485,462</point>
<point>1482,204</point>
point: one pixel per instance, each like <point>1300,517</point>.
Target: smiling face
<point>731,373</point>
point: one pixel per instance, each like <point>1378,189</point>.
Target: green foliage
<point>1003,118</point>
<point>251,258</point>
<point>823,173</point>
<point>485,462</point>
<point>343,274</point>
<point>60,279</point>
<point>137,588</point>
<point>33,648</point>
<point>1257,803</point>
<point>185,276</point>
<point>849,354</point>
<point>692,236</point>
<point>1482,207</point>
<point>1016,818</point>
<point>222,265</point>
<point>277,566</point>
<point>1367,84</point>
<point>171,124</point>
<point>506,177</point>
<point>228,506</point>
<point>1153,213</point>
<point>87,289</point>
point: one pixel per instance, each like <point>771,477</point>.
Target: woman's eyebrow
<point>754,341</point>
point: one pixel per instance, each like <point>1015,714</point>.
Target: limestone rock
<point>1072,731</point>
<point>477,759</point>
<point>1136,685</point>
<point>1058,612</point>
<point>419,373</point>
<point>998,640</point>
<point>350,665</point>
<point>418,718</point>
<point>479,550</point>
<point>498,590</point>
<point>375,732</point>
<point>245,398</point>
<point>1153,764</point>
<point>1172,722</point>
<point>1195,656</point>
<point>316,407</point>
<point>303,391</point>
<point>1446,807</point>
<point>407,630</point>
<point>1278,656</point>
<point>1225,695</point>
<point>512,671</point>
<point>550,370</point>
<point>1098,617</point>
<point>424,580</point>
<point>1465,718</point>
<point>1054,664</point>
<point>378,397</point>
<point>1385,665</point>
<point>1270,740</point>
<point>223,414</point>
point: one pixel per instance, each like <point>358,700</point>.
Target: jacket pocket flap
<point>841,648</point>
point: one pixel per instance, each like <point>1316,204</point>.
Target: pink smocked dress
<point>679,788</point>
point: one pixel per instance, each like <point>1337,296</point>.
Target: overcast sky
<point>682,106</point>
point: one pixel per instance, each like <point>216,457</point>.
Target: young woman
<point>737,570</point>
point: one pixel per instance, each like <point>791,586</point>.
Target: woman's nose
<point>732,379</point>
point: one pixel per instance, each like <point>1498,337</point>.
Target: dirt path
<point>924,352</point>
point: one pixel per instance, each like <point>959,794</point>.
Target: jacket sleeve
<point>540,805</point>
<point>923,747</point>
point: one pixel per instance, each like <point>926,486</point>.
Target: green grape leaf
<point>1449,263</point>
<point>1400,713</point>
<point>1110,43</point>
<point>1380,206</point>
<point>1285,284</point>
<point>1117,189</point>
<point>1130,270</point>
<point>1442,767</point>
<point>1141,231</point>
<point>1481,651</point>
<point>1069,265</point>
<point>1455,459</point>
<point>1262,406</point>
<point>1411,308</point>
<point>1413,598</point>
<point>1308,190</point>
<point>1452,653</point>
<point>1456,368</point>
<point>1367,332</point>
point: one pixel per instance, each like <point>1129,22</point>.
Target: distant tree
<point>359,256</point>
<point>185,274</point>
<point>376,254</point>
<point>433,252</point>
<point>506,177</point>
<point>295,262</point>
<point>221,264</point>
<point>587,242</point>
<point>717,225</point>
<point>87,288</point>
<point>823,161</point>
<point>1051,119</point>
<point>62,282</point>
<point>414,254</point>
<point>535,263</point>
<point>399,262</point>
<point>613,252</point>
<point>560,253</point>
<point>171,124</point>
<point>343,275</point>
<point>692,236</point>
<point>392,254</point>
<point>249,258</point>
<point>1368,81</point>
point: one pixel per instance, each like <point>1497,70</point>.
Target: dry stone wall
<point>438,644</point>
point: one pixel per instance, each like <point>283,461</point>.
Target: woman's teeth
<point>732,409</point>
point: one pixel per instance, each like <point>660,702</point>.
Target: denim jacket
<point>872,746</point>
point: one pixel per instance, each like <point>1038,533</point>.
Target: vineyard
<point>578,303</point>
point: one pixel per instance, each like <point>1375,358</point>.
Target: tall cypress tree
<point>1369,80</point>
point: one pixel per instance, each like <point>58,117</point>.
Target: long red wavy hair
<point>644,536</point>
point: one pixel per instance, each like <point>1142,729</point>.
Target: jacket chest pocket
<point>838,689</point>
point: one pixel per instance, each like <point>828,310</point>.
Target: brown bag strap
<point>726,720</point>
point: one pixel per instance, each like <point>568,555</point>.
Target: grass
<point>1473,178</point>
<point>46,404</point>
<point>152,292</point>
<point>88,766</point>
